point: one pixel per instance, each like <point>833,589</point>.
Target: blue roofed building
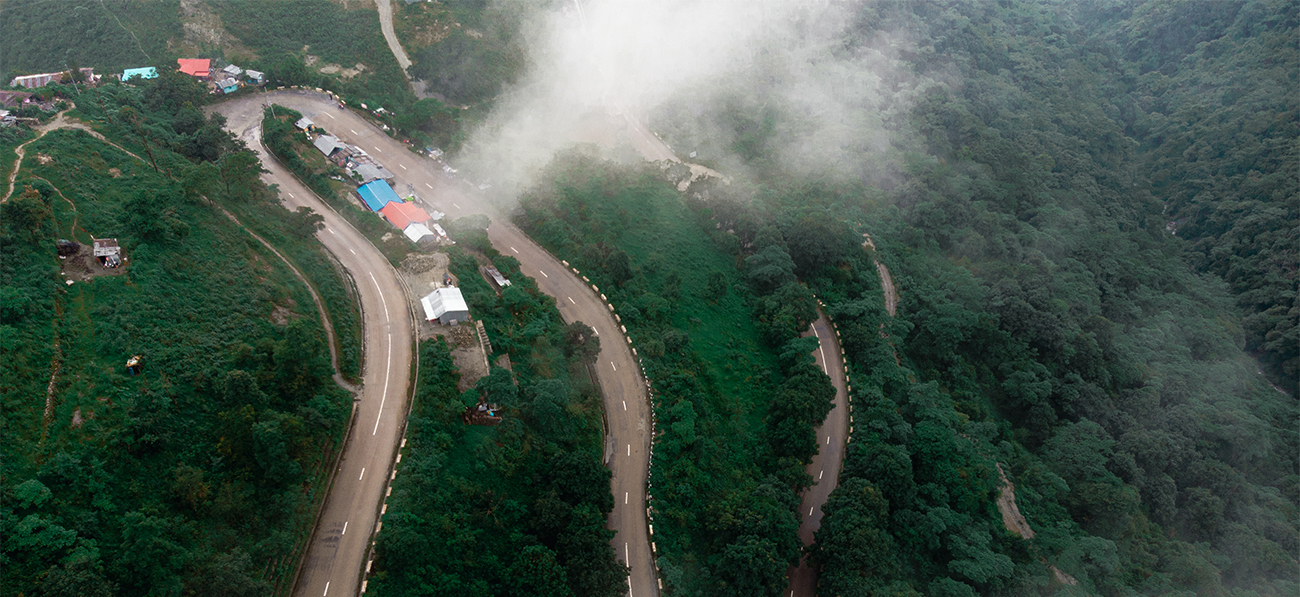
<point>377,194</point>
<point>147,72</point>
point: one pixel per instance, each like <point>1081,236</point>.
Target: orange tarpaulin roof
<point>197,67</point>
<point>402,214</point>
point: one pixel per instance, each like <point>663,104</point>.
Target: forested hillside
<point>1217,87</point>
<point>734,387</point>
<point>514,509</point>
<point>1051,321</point>
<point>201,474</point>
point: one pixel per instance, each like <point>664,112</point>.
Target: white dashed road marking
<point>378,149</point>
<point>457,206</point>
<point>611,364</point>
<point>354,132</point>
<point>328,114</point>
<point>624,405</point>
<point>403,167</point>
<point>428,185</point>
<point>570,299</point>
<point>514,249</point>
<point>327,588</point>
<point>543,273</point>
<point>363,474</point>
<point>388,369</point>
<point>345,528</point>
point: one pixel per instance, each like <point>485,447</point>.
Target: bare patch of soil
<point>43,159</point>
<point>114,172</point>
<point>355,4</point>
<point>1011,516</point>
<point>84,267</point>
<point>1015,522</point>
<point>203,29</point>
<point>281,315</point>
<point>346,73</point>
<point>423,273</point>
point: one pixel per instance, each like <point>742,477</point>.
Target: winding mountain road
<point>825,465</point>
<point>337,556</point>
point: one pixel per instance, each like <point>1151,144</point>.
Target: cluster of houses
<point>445,305</point>
<point>224,79</point>
<point>375,189</point>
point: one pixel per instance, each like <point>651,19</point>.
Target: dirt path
<point>386,25</point>
<point>886,280</point>
<point>60,122</point>
<point>76,215</point>
<point>320,306</point>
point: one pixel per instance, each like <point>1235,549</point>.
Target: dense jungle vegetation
<point>516,509</point>
<point>201,475</point>
<point>1052,322</point>
<point>735,389</point>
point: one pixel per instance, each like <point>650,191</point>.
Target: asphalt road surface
<point>825,466</point>
<point>337,557</point>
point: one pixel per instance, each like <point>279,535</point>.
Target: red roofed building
<point>403,214</point>
<point>195,67</point>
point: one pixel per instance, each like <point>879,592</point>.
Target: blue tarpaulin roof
<point>377,194</point>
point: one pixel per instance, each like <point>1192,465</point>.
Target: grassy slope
<point>188,306</point>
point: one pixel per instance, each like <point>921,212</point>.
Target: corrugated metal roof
<point>328,144</point>
<point>402,214</point>
<point>106,246</point>
<point>197,67</point>
<point>445,301</point>
<point>417,231</point>
<point>377,194</point>
<point>372,172</point>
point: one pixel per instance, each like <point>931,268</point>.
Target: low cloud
<point>788,78</point>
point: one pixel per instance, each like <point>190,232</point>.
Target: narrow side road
<point>385,9</point>
<point>825,465</point>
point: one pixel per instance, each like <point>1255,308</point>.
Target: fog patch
<point>784,83</point>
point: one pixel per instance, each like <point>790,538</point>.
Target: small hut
<point>108,252</point>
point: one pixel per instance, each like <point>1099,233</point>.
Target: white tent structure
<point>446,305</point>
<point>418,232</point>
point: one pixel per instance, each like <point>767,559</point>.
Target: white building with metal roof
<point>445,305</point>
